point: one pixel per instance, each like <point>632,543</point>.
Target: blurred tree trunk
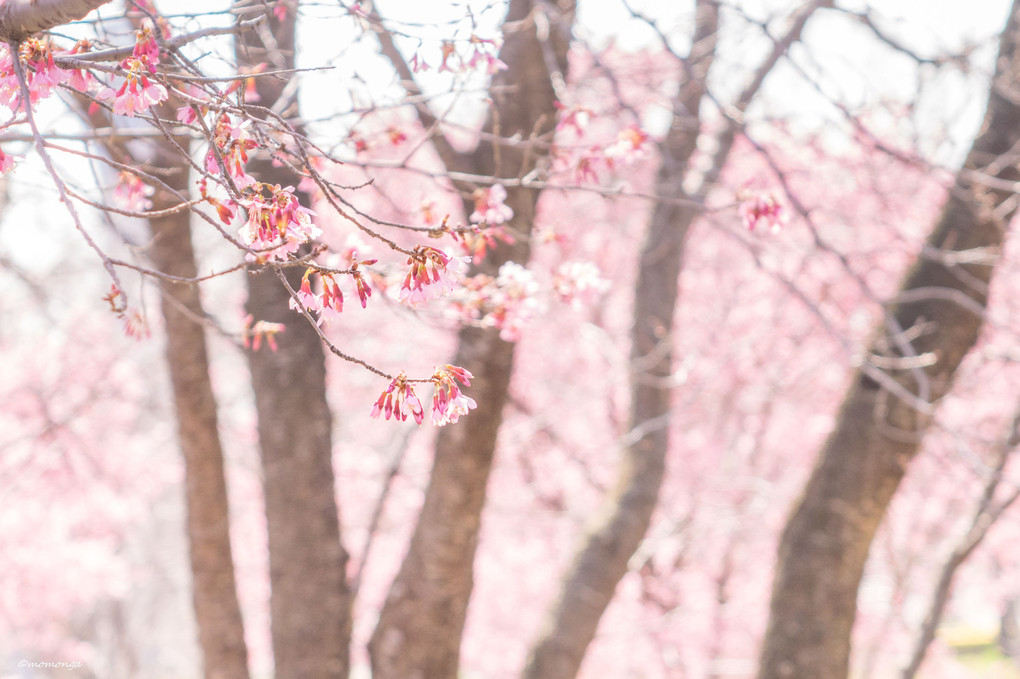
<point>603,557</point>
<point>214,591</point>
<point>421,624</point>
<point>220,629</point>
<point>310,601</point>
<point>825,544</point>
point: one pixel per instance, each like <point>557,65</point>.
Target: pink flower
<point>485,52</point>
<point>758,209</point>
<point>233,143</point>
<point>432,275</point>
<point>132,194</point>
<point>253,334</point>
<point>399,401</point>
<point>277,223</point>
<point>137,93</point>
<point>308,299</point>
<point>489,206</point>
<point>630,145</point>
<point>579,282</point>
<point>41,74</point>
<point>449,403</point>
<point>418,64</point>
<point>6,162</point>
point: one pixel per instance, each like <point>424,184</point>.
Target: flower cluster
<point>277,224</point>
<point>255,332</point>
<point>490,207</point>
<point>399,401</point>
<point>6,162</point>
<point>233,142</point>
<point>579,283</point>
<point>762,210</point>
<point>508,302</point>
<point>132,194</point>
<point>41,74</point>
<point>138,92</point>
<point>432,275</point>
<point>484,57</point>
<point>631,144</point>
<point>449,403</point>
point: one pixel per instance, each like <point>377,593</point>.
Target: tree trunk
<point>618,529</point>
<point>220,629</point>
<point>310,601</point>
<point>420,628</point>
<point>825,544</point>
<point>602,559</point>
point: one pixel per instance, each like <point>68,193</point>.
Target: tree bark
<point>20,19</point>
<point>618,529</point>
<point>310,600</point>
<point>825,544</point>
<point>214,591</point>
<point>421,624</point>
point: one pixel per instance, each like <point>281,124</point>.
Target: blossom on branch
<point>399,401</point>
<point>41,74</point>
<point>6,162</point>
<point>132,194</point>
<point>489,206</point>
<point>449,403</point>
<point>253,333</point>
<point>277,223</point>
<point>432,275</point>
<point>762,210</point>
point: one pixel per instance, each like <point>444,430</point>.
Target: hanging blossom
<point>433,274</point>
<point>478,241</point>
<point>6,162</point>
<point>277,223</point>
<point>762,210</point>
<point>631,144</point>
<point>328,304</point>
<point>490,207</point>
<point>576,118</point>
<point>449,403</point>
<point>138,92</point>
<point>485,55</point>
<point>132,194</point>
<point>254,333</point>
<point>233,142</point>
<point>399,401</point>
<point>81,79</point>
<point>41,74</point>
<point>508,302</point>
<point>579,283</point>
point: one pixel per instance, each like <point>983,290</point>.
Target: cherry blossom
<point>132,194</point>
<point>41,74</point>
<point>578,283</point>
<point>432,274</point>
<point>79,78</point>
<point>449,403</point>
<point>399,401</point>
<point>762,210</point>
<point>631,145</point>
<point>485,54</point>
<point>255,332</point>
<point>489,206</point>
<point>277,223</point>
<point>233,142</point>
<point>6,162</point>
